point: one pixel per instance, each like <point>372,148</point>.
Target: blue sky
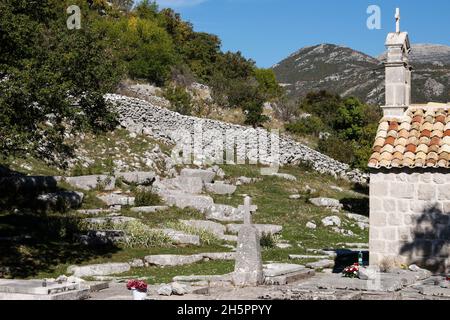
<point>269,30</point>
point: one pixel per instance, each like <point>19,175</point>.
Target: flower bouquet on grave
<point>351,271</point>
<point>138,287</point>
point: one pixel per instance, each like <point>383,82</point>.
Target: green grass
<point>157,275</point>
<point>50,251</point>
<point>274,207</point>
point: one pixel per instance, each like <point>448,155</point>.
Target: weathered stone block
<point>374,233</point>
<point>378,189</point>
<point>376,204</point>
<point>389,233</point>
<point>440,178</point>
<point>394,219</point>
<point>403,206</point>
<point>206,175</point>
<point>393,247</point>
<point>408,219</point>
<point>378,219</point>
<point>427,191</point>
<point>102,182</point>
<point>139,178</point>
<point>220,188</point>
<point>444,192</point>
<point>209,226</point>
<point>248,270</point>
<point>112,199</point>
<point>99,269</point>
<point>400,190</point>
<point>223,212</point>
<point>413,177</point>
<point>377,246</point>
<point>405,234</point>
<point>193,185</point>
<point>389,205</point>
<point>166,260</point>
<point>262,228</point>
<point>376,177</point>
<point>446,207</point>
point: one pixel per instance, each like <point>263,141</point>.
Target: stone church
<point>410,172</point>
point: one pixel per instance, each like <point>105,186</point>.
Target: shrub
<point>337,149</point>
<point>146,198</point>
<point>268,240</point>
<point>139,235</point>
<point>180,99</point>
<point>206,237</point>
<point>308,126</point>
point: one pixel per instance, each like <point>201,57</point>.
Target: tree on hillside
<point>351,123</point>
<point>268,83</point>
<point>46,69</point>
<point>123,4</point>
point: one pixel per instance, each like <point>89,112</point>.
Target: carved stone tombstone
<point>248,270</point>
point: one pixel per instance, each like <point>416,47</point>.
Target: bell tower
<point>398,72</point>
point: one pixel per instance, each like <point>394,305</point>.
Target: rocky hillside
<point>348,72</point>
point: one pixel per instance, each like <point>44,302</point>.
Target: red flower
<point>137,285</point>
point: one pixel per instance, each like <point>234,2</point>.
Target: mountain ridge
<point>346,71</point>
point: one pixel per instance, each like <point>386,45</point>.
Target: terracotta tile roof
<point>420,139</point>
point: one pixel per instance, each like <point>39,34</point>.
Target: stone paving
<point>308,289</point>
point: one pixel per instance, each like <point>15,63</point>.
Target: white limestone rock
<point>206,175</point>
<point>99,269</point>
<point>262,228</point>
<point>331,221</point>
<point>138,177</point>
<point>210,226</point>
<point>311,225</point>
<point>326,203</point>
<point>170,260</point>
<point>103,182</point>
<point>220,188</point>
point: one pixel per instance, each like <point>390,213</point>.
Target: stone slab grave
<point>383,282</point>
<point>34,290</point>
<point>220,188</point>
<point>282,273</point>
<point>139,178</point>
<point>113,199</point>
<point>248,270</point>
<point>262,228</point>
<point>206,175</point>
<point>149,209</point>
<point>184,200</point>
<point>99,269</point>
<point>92,182</point>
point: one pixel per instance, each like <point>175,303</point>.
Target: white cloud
<point>179,3</point>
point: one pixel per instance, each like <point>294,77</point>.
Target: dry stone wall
<point>219,137</point>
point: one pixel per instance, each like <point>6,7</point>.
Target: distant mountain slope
<point>348,72</point>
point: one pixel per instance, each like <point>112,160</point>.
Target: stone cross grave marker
<point>248,270</point>
<point>247,209</point>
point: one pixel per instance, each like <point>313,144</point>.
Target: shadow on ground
<point>356,205</point>
<point>347,258</point>
<point>33,239</point>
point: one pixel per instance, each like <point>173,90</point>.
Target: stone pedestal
<point>248,269</point>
